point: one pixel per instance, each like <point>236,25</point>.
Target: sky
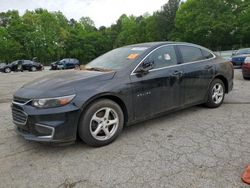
<point>102,12</point>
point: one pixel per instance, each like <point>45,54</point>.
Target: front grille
<point>20,100</point>
<point>19,116</point>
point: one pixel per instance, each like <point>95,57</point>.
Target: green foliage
<point>50,36</point>
<point>213,23</point>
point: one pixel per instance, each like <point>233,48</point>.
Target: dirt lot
<point>196,147</point>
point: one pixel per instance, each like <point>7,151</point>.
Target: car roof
<point>161,43</point>
<point>149,44</point>
<point>244,49</point>
<point>68,59</point>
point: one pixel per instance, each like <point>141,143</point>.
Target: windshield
<point>14,63</point>
<point>243,51</point>
<point>117,59</point>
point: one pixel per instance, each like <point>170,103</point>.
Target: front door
<point>159,89</point>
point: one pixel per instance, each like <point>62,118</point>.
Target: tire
<point>33,69</point>
<point>7,70</point>
<point>216,94</point>
<point>101,123</point>
<point>245,78</point>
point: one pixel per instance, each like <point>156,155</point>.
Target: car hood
<point>2,65</point>
<point>62,84</point>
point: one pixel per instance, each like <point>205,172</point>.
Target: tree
<point>166,19</point>
<point>9,48</point>
<point>88,24</point>
<point>243,28</point>
<point>214,26</point>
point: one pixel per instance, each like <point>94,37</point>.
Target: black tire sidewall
<point>210,103</point>
<point>84,129</point>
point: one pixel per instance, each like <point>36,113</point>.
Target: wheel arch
<point>111,97</point>
<point>224,80</point>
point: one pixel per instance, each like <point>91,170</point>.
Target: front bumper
<point>53,67</point>
<point>56,125</point>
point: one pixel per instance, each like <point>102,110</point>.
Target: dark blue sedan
<point>239,57</point>
<point>67,63</point>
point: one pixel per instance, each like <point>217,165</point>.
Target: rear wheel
<point>101,123</point>
<point>216,94</point>
<point>33,69</point>
<point>77,67</point>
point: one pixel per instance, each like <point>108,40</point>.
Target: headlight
<point>52,102</point>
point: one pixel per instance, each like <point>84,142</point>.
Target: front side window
<point>27,62</point>
<point>163,57</point>
<point>191,54</point>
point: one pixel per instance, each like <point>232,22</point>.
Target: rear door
<point>18,66</point>
<point>27,64</point>
<point>71,64</point>
<point>159,89</point>
<point>198,70</point>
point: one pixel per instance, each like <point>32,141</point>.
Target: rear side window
<point>190,54</point>
<point>27,62</point>
<point>207,54</point>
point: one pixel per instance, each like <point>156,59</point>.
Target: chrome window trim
<point>214,56</point>
<point>48,127</point>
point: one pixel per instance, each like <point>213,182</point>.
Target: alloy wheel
<point>7,70</point>
<point>104,124</point>
<point>217,93</point>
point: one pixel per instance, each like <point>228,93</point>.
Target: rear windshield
<point>118,58</point>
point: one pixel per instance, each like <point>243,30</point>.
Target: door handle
<point>208,66</point>
<point>177,74</point>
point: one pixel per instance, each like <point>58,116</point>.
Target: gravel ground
<point>196,147</point>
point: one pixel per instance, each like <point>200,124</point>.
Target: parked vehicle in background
<point>68,63</point>
<point>227,55</point>
<point>2,65</point>
<point>122,87</point>
<point>239,57</point>
<point>246,68</point>
<point>21,65</point>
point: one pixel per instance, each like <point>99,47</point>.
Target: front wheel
<point>7,70</point>
<point>245,78</point>
<point>101,123</point>
<point>216,94</point>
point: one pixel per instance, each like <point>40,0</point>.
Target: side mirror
<point>145,67</point>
